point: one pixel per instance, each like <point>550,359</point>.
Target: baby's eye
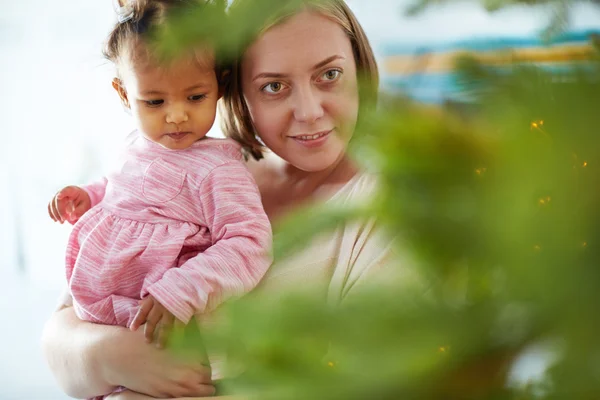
<point>154,103</point>
<point>331,75</point>
<point>273,87</point>
<point>197,97</point>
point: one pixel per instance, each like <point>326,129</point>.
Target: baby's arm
<point>239,256</point>
<point>96,190</point>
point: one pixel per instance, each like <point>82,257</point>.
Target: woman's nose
<point>176,115</point>
<point>308,107</point>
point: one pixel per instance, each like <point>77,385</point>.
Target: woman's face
<point>299,82</point>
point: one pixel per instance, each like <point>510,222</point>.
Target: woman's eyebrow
<point>318,65</point>
<point>267,75</point>
<point>328,60</point>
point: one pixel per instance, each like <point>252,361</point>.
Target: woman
<point>296,88</point>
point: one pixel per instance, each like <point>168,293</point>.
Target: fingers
<point>204,373</point>
<point>154,317</point>
<point>201,390</point>
<point>164,329</point>
<point>58,205</point>
<point>198,384</point>
<point>142,315</point>
<point>77,210</point>
<point>51,212</point>
<point>158,321</point>
<point>70,212</point>
<point>68,192</point>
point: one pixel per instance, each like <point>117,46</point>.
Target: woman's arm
<point>90,360</point>
<point>129,395</point>
<point>71,348</point>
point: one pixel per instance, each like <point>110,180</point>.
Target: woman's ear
<point>117,84</point>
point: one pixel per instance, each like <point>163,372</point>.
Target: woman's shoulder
<point>360,188</point>
<point>265,171</point>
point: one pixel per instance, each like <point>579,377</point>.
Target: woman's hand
<point>128,360</point>
<point>90,360</point>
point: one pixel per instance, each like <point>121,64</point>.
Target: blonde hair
<point>236,122</point>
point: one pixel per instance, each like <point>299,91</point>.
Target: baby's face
<point>174,105</point>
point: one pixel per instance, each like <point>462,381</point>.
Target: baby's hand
<point>154,315</point>
<point>69,204</point>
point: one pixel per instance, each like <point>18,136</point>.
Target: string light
<point>537,125</point>
<point>544,200</point>
<point>584,164</point>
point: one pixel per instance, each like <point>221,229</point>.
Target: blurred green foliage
<point>495,199</point>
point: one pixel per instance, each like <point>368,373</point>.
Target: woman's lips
<point>313,139</point>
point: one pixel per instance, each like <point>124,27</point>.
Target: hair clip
<point>124,13</point>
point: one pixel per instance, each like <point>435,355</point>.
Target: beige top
<point>336,262</point>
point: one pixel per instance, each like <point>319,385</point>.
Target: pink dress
<point>186,226</point>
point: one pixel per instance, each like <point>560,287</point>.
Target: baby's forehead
<point>188,64</point>
<point>173,76</point>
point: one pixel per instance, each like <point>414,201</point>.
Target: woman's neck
<point>284,187</point>
<point>320,184</point>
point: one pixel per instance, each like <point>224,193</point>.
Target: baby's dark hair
<point>141,21</point>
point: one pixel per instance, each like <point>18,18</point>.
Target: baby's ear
<point>117,84</point>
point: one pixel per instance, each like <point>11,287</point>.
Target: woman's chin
<point>320,161</point>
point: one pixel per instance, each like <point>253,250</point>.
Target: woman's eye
<point>331,75</point>
<point>197,97</point>
<point>273,87</point>
<point>154,103</point>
